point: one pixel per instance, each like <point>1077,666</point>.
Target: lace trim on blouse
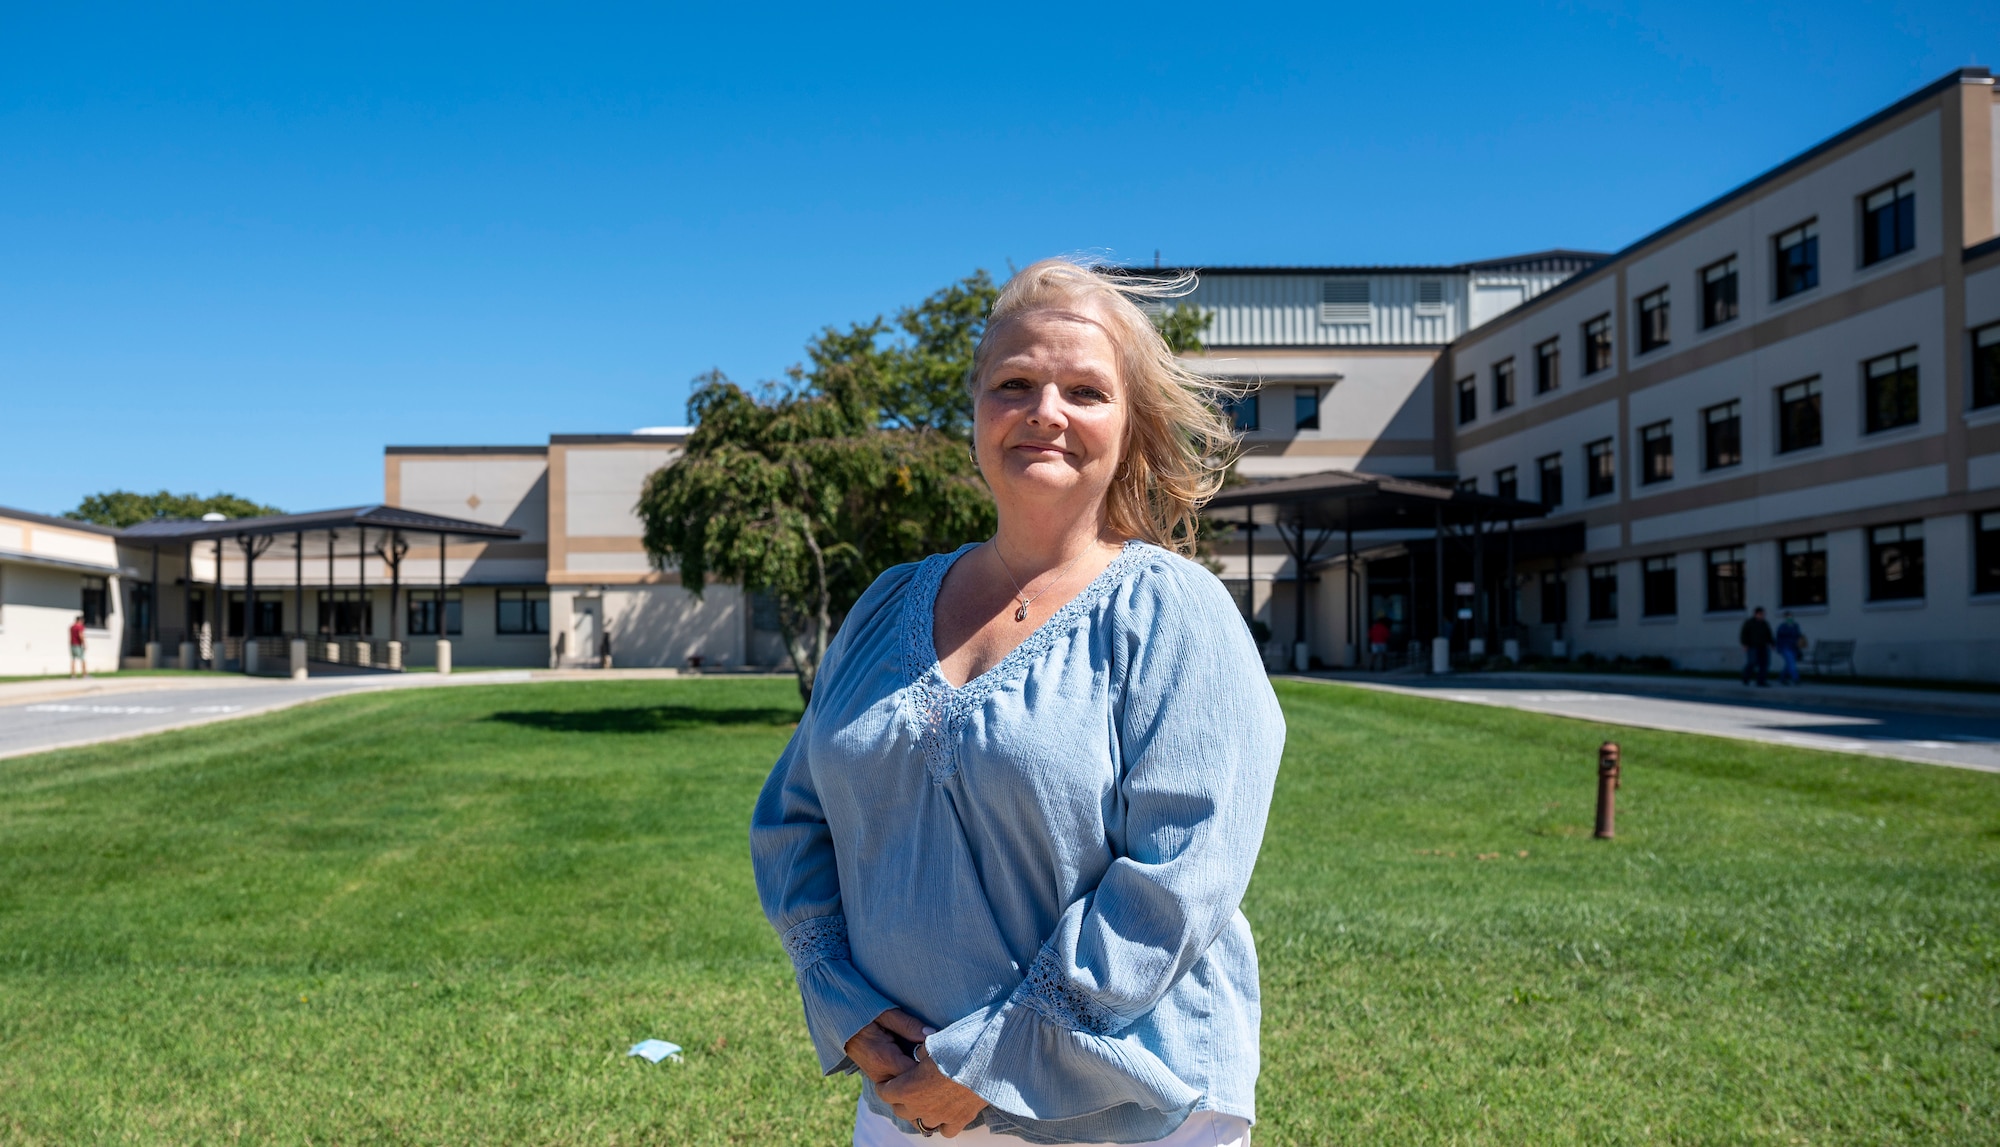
<point>940,709</point>
<point>1049,992</point>
<point>816,938</point>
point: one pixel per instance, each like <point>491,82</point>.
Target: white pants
<point>1202,1129</point>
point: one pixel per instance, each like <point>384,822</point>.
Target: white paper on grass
<point>656,1050</point>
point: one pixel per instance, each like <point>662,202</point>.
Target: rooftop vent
<point>1344,301</point>
<point>1430,296</point>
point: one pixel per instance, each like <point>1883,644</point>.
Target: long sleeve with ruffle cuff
<point>1046,1031</point>
<point>839,1000</point>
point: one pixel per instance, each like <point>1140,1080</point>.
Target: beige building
<point>52,571</point>
<point>1788,397</point>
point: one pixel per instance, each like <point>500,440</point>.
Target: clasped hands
<point>887,1051</point>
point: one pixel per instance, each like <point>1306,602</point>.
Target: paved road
<point>1966,739</point>
<point>54,722</point>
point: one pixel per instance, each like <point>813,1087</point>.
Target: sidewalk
<point>60,713</point>
<point>1934,727</point>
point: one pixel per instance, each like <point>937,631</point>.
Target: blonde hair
<point>1178,443</point>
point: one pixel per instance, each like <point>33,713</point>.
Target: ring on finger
<point>927,1130</point>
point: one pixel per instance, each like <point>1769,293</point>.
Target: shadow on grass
<point>642,718</point>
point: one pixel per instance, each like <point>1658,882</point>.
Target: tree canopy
<point>123,508</point>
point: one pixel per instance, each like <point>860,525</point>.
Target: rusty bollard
<point>1607,790</point>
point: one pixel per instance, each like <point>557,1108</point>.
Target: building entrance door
<point>586,623</point>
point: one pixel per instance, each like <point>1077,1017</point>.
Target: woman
<point>1006,846</point>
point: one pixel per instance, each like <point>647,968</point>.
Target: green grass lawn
<point>443,916</point>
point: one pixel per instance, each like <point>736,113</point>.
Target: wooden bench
<point>1824,656</point>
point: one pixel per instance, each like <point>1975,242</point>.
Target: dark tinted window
<point>1503,384</point>
<point>1653,320</point>
<point>1798,416</point>
<point>1725,579</point>
<point>1722,435</point>
<point>1802,571</point>
<point>1604,592</point>
<point>1597,344</point>
<point>1718,293</point>
<point>1657,442</point>
<point>1507,483</point>
<point>1986,552</point>
<point>1551,468</point>
<point>1888,221</point>
<point>1468,400</point>
<point>1891,383</point>
<point>1601,468</point>
<point>1896,562</point>
<point>1797,259</point>
<point>1305,407</point>
<point>1548,366</point>
<point>1986,366</point>
<point>1660,593</point>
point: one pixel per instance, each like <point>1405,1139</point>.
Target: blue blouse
<point>1044,863</point>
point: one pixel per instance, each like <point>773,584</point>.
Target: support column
<point>364,649</point>
<point>444,641</point>
<point>1482,617</point>
<point>298,643</point>
<point>249,606</point>
<point>1440,644</point>
<point>153,614</point>
<point>1353,584</point>
<point>189,651</point>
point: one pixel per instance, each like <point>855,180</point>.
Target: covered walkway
<point>1366,512</point>
<point>262,622</point>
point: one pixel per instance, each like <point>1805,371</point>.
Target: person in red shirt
<point>78,667</point>
<point>1378,644</point>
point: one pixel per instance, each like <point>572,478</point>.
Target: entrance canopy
<point>1309,511</point>
<point>386,519</point>
<point>1363,503</point>
<point>358,533</point>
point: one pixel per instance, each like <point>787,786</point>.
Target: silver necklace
<point>1026,598</point>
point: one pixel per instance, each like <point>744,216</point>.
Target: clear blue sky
<point>243,250</point>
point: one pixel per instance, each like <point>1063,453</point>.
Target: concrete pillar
<point>1511,649</point>
<point>363,655</point>
<point>153,656</point>
<point>1301,656</point>
<point>250,656</point>
<point>1476,646</point>
<point>396,656</point>
<point>444,655</point>
<point>190,657</point>
<point>298,659</point>
<point>1440,655</point>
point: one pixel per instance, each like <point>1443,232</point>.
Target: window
<point>1986,366</point>
<point>1468,400</point>
<point>1892,390</point>
<point>1468,485</point>
<point>1305,407</point>
<point>270,619</point>
<point>1722,435</point>
<point>1798,259</point>
<point>1344,302</point>
<point>423,613</point>
<point>1555,598</point>
<point>1986,552</point>
<point>1725,579</point>
<point>1718,293</point>
<point>1597,344</point>
<point>1551,467</point>
<point>1506,483</point>
<point>1798,416</point>
<point>1888,221</point>
<point>1604,592</point>
<point>1430,296</point>
<point>1242,411</point>
<point>1802,577</point>
<point>1660,592</point>
<point>1600,473</point>
<point>1896,562</point>
<point>1653,321</point>
<point>1503,384</point>
<point>1657,442</point>
<point>345,613</point>
<point>95,605</point>
<point>1548,366</point>
<point>518,611</point>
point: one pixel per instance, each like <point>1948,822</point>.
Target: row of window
<point>1895,573</point>
<point>1888,217</point>
<point>351,613</point>
<point>1889,392</point>
<point>1244,410</point>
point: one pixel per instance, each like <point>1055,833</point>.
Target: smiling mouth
<point>1040,448</point>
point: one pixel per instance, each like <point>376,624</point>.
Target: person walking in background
<point>1755,637</point>
<point>79,666</point>
<point>1378,643</point>
<point>1791,641</point>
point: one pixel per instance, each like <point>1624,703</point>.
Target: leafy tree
<point>123,508</point>
<point>1181,326</point>
<point>925,371</point>
<point>803,493</point>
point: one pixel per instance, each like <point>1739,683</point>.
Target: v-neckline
<point>1068,610</point>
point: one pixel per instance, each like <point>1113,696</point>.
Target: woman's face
<point>1049,413</point>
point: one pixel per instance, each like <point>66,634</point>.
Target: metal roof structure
<point>1555,259</point>
<point>379,517</point>
<point>1363,503</point>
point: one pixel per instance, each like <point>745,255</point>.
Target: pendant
<point>1021,614</point>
